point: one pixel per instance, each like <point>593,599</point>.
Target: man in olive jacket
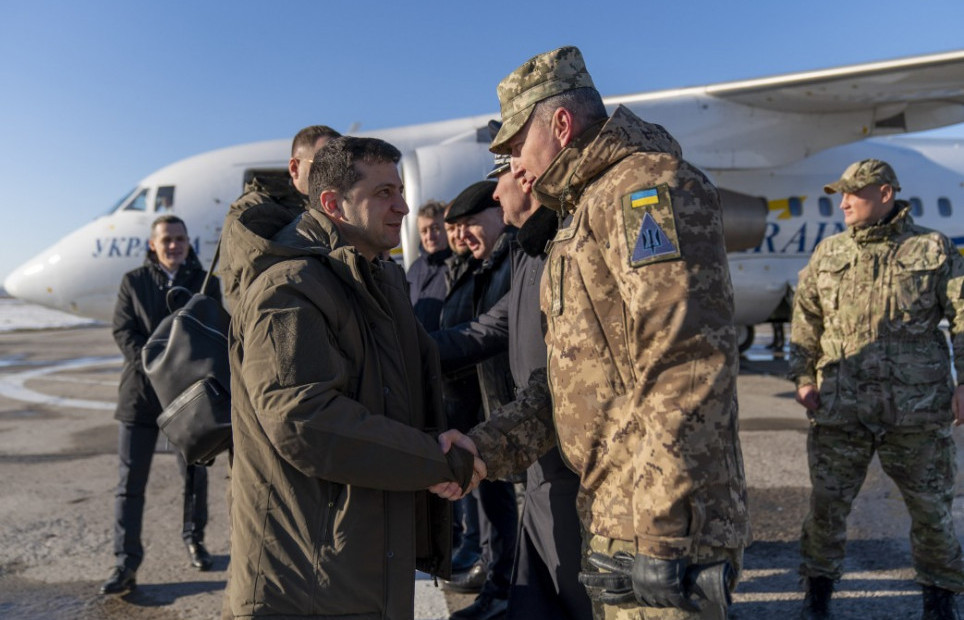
<point>335,404</point>
<point>288,195</point>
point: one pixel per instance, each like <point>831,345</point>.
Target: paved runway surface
<point>58,469</point>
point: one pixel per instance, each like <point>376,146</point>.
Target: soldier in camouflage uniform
<point>642,360</point>
<point>871,366</point>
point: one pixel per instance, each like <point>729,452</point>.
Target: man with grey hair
<point>642,361</point>
<point>872,368</point>
<point>426,274</point>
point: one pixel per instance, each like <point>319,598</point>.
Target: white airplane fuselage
<point>81,272</point>
<point>772,142</point>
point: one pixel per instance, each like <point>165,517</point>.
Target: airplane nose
<point>31,280</point>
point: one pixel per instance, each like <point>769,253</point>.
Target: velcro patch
<point>650,225</point>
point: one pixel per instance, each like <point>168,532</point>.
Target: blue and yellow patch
<point>650,225</point>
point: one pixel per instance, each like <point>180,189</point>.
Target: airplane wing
<point>778,120</point>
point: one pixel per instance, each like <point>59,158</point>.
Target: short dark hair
<point>585,103</point>
<point>334,166</point>
<point>167,219</point>
<point>432,209</point>
<point>309,135</point>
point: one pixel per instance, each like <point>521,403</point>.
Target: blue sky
<point>96,95</point>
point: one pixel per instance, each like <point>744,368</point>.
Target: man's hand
<point>809,396</point>
<point>453,437</point>
<point>661,583</point>
<point>451,490</point>
<point>652,582</point>
<point>957,405</point>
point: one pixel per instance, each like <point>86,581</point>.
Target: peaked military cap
<point>502,160</point>
<point>538,78</point>
<point>474,199</point>
<point>860,174</point>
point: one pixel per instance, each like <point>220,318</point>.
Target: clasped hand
<point>452,490</point>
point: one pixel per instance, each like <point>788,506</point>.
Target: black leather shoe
<point>200,558</point>
<point>468,581</point>
<point>485,607</point>
<point>121,580</point>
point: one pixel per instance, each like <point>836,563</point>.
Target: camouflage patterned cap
<point>538,78</point>
<point>860,174</point>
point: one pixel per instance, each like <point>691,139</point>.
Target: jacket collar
<point>889,227</point>
<point>594,151</point>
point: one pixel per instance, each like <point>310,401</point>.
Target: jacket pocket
<point>831,275</point>
<point>914,290</point>
<point>335,492</point>
<point>921,394</point>
<point>829,382</point>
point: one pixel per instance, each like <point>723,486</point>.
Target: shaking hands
<point>452,490</point>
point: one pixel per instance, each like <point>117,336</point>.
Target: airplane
<point>769,144</point>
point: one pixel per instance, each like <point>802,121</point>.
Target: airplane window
<point>117,205</point>
<point>826,207</point>
<point>944,207</point>
<point>796,206</point>
<point>164,201</point>
<point>138,202</point>
<point>916,207</point>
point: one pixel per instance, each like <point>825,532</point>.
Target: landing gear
<point>744,337</point>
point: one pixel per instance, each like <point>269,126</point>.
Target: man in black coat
<point>427,274</point>
<point>548,555</point>
<point>478,219</point>
<point>141,305</point>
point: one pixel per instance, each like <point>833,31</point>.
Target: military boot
<point>939,604</point>
<point>816,604</point>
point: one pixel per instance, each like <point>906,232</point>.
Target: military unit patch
<point>650,225</point>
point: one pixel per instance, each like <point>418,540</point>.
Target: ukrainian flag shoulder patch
<point>650,226</point>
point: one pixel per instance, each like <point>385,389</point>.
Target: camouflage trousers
<point>633,611</point>
<point>922,465</point>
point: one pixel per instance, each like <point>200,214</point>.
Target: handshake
<point>455,490</point>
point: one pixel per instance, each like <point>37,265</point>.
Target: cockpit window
<point>164,200</point>
<point>123,201</point>
<point>138,202</point>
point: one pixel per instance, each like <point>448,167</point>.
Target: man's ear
<point>293,168</point>
<point>886,192</point>
<point>330,203</point>
<point>563,126</point>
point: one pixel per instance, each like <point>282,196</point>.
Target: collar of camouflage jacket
<point>594,151</point>
<point>885,229</point>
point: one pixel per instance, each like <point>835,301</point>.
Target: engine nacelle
<point>744,220</point>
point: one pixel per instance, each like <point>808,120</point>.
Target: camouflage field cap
<point>860,174</point>
<point>502,160</point>
<point>538,78</point>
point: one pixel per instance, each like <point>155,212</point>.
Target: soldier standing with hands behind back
<point>871,366</point>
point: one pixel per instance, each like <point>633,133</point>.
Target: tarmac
<point>58,470</point>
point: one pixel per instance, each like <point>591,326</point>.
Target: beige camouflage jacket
<point>642,349</point>
<point>866,325</point>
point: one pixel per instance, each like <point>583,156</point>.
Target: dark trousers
<point>135,446</point>
<point>465,517</point>
<point>545,581</point>
<point>499,522</point>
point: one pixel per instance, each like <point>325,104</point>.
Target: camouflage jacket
<point>643,361</point>
<point>277,198</point>
<point>865,325</point>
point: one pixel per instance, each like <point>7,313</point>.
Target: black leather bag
<point>186,361</point>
